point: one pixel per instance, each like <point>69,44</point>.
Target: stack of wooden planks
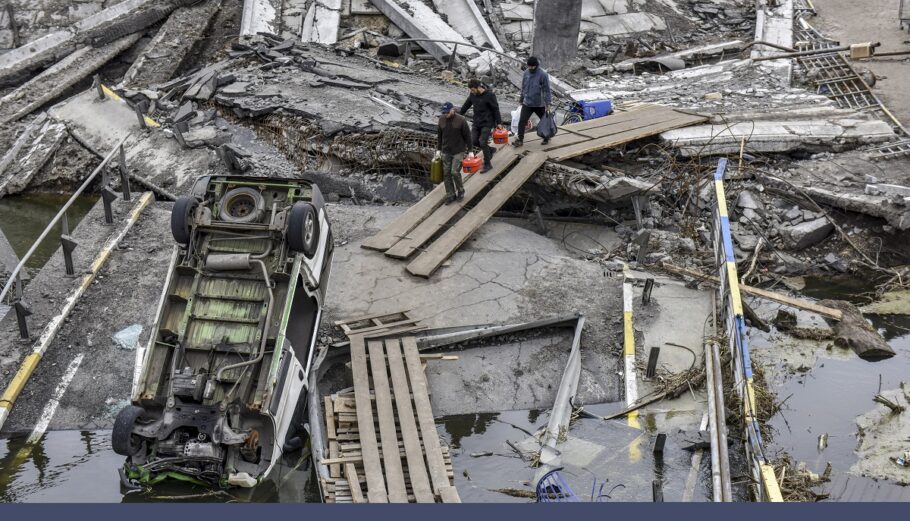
<point>438,230</point>
<point>399,457</point>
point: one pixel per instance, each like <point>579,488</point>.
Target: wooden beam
<point>425,419</point>
<point>350,473</point>
<point>475,184</point>
<point>417,470</point>
<point>683,120</point>
<point>430,260</point>
<point>391,459</point>
<point>334,470</point>
<point>406,222</point>
<point>780,298</point>
<point>376,491</point>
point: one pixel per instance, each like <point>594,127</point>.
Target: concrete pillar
<point>555,37</point>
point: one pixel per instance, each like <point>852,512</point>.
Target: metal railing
<point>68,245</point>
<point>732,323</point>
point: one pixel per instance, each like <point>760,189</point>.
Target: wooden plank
<point>420,481</point>
<point>334,470</point>
<point>449,495</point>
<point>425,415</point>
<point>565,140</point>
<point>376,491</point>
<point>350,472</point>
<point>584,127</point>
<point>406,222</point>
<point>399,315</point>
<point>367,330</point>
<point>780,298</point>
<point>435,222</point>
<point>391,459</point>
<point>594,145</point>
<point>430,260</point>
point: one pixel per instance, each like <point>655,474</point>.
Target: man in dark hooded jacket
<point>486,118</point>
<point>535,97</point>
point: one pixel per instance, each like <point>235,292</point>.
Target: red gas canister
<point>500,136</point>
<point>471,164</point>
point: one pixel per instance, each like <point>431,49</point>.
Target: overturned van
<point>222,386</point>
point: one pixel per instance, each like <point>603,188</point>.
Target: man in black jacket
<point>452,138</point>
<point>486,117</point>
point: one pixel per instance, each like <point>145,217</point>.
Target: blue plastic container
<point>595,109</point>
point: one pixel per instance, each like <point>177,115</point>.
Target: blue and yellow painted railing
<point>735,325</point>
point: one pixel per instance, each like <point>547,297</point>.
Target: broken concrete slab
<point>623,24</point>
<point>33,158</point>
<point>121,19</point>
<point>164,54</point>
<point>259,16</point>
<point>159,162</point>
<point>55,80</point>
<point>419,21</point>
<point>466,18</point>
<point>809,233</point>
<point>778,136</point>
<point>896,214</point>
<point>321,22</point>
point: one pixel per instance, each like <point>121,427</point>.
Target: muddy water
<point>614,462</point>
<point>23,218</point>
<point>826,387</point>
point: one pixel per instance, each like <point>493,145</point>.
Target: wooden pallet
<point>399,458</point>
<point>439,230</point>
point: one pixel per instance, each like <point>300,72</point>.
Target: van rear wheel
<point>123,441</point>
<point>303,229</point>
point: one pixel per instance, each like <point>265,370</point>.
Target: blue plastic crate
<point>595,109</point>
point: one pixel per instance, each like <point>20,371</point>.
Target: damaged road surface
<point>696,290</point>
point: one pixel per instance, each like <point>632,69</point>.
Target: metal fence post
<point>141,117</point>
<point>96,83</point>
<point>453,57</point>
<point>107,197</point>
<point>22,311</point>
<point>124,176</point>
<point>68,245</point>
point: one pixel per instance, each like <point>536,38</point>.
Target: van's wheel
<point>303,229</point>
<point>181,217</point>
<point>122,439</point>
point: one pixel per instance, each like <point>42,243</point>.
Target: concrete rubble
<point>346,93</point>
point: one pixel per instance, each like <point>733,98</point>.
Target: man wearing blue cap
<point>452,141</point>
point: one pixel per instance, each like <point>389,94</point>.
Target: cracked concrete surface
<point>504,274</point>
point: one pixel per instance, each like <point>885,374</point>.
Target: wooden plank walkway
<point>382,438</point>
<point>441,229</point>
<point>442,248</point>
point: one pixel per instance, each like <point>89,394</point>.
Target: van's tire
<point>181,217</point>
<point>122,439</point>
<point>303,229</point>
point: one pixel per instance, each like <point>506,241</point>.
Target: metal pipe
<point>451,42</point>
<point>60,214</point>
<point>769,44</point>
<point>265,333</point>
<point>812,52</point>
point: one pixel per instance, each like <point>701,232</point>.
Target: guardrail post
<point>124,176</point>
<point>107,197</point>
<point>68,245</point>
<point>96,83</point>
<point>657,491</point>
<point>453,57</point>
<point>141,117</point>
<point>22,311</point>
